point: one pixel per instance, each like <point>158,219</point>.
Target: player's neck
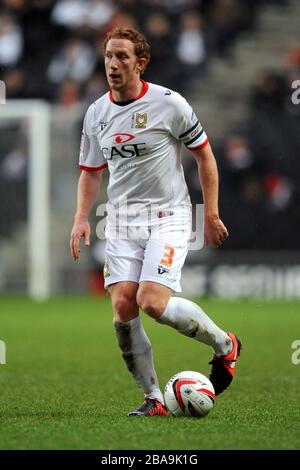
<point>130,93</point>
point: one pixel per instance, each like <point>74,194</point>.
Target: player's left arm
<point>215,231</point>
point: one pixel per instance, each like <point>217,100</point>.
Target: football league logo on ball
<point>189,394</point>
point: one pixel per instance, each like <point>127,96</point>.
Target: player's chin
<point>115,84</point>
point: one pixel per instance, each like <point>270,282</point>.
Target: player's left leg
<point>160,276</point>
<point>183,315</point>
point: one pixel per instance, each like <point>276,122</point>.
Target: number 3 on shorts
<point>167,259</point>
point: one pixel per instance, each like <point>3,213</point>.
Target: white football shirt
<point>141,142</point>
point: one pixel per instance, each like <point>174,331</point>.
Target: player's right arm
<point>91,162</point>
<point>88,186</point>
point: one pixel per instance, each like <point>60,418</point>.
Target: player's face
<point>121,64</point>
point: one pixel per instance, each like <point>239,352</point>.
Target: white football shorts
<point>157,254</point>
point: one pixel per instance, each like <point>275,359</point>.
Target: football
<point>189,394</point>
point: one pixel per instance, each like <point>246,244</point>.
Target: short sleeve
<point>186,126</point>
<point>90,155</point>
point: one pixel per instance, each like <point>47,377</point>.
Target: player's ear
<point>140,66</point>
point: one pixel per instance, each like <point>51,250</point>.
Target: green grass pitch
<point>64,385</point>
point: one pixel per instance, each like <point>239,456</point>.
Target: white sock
<point>190,320</point>
<point>137,354</point>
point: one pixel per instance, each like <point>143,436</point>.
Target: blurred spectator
<point>270,92</point>
<point>236,164</point>
<point>68,93</point>
<point>240,170</point>
<point>238,154</point>
<point>162,64</point>
<point>75,61</point>
<point>120,18</point>
<point>11,41</point>
<point>252,191</point>
<point>95,87</point>
<point>14,81</point>
<point>14,165</point>
<point>279,191</point>
<point>16,5</point>
<point>191,48</point>
<point>77,13</point>
<point>226,16</point>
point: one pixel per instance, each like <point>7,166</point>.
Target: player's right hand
<point>81,229</point>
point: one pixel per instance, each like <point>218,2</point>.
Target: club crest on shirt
<point>141,120</point>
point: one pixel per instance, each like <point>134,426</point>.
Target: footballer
<point>137,131</point>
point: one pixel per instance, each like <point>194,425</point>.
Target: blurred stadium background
<point>234,60</point>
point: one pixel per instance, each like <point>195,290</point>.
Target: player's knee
<point>151,305</point>
<point>124,307</point>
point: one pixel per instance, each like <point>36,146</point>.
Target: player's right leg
<point>136,347</point>
<point>124,260</point>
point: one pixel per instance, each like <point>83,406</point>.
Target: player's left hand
<point>215,232</point>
